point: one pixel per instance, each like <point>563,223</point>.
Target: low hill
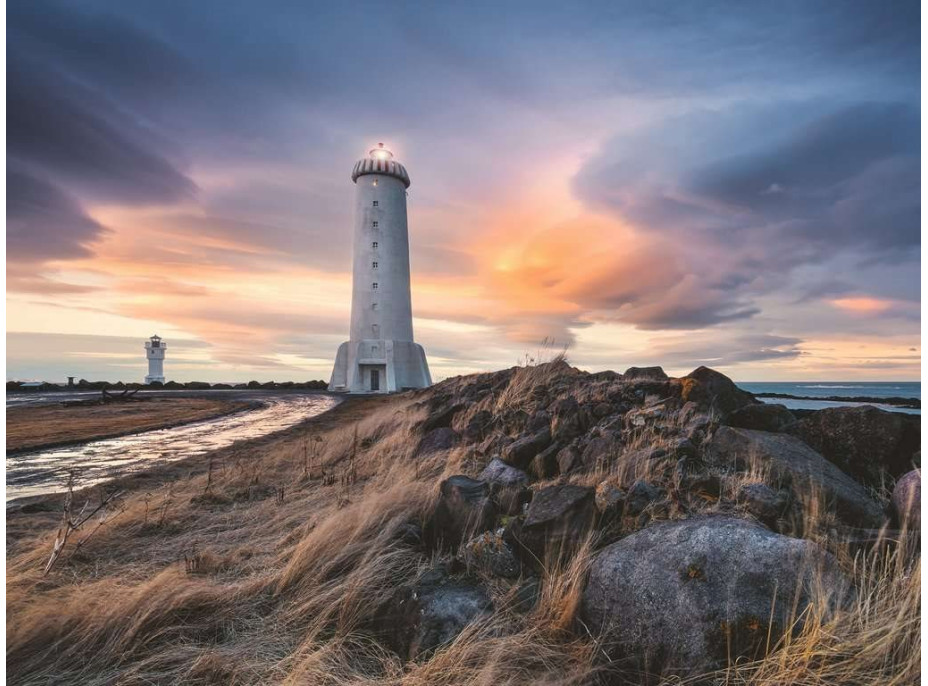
<point>534,525</point>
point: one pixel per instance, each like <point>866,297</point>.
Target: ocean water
<point>824,389</point>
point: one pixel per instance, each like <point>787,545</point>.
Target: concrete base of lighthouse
<point>378,366</point>
<point>154,379</point>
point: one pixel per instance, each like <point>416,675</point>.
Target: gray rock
<point>680,597</point>
<point>544,464</point>
<point>568,459</point>
<point>521,451</point>
<point>865,442</point>
<point>649,373</point>
<point>498,472</point>
<point>464,507</point>
<point>557,520</point>
<point>490,554</point>
<point>763,502</point>
<point>436,440</point>
<point>640,495</point>
<point>907,499</point>
<point>714,391</point>
<point>431,612</point>
<point>609,499</point>
<point>762,417</point>
<point>792,462</point>
<point>566,422</point>
<point>601,451</point>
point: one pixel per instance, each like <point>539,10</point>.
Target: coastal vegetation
<point>535,525</point>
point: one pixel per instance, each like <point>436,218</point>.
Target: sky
<point>734,184</point>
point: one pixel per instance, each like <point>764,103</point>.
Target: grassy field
<point>263,562</point>
<point>33,428</point>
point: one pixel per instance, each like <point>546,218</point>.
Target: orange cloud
<point>863,304</point>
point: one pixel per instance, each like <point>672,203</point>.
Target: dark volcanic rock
<point>489,553</point>
<point>863,441</point>
<point>640,495</point>
<point>498,472</point>
<point>521,452</point>
<point>568,459</point>
<point>477,427</point>
<point>544,464</point>
<point>712,390</point>
<point>609,499</point>
<point>790,461</point>
<point>557,520</point>
<point>566,422</point>
<point>464,507</point>
<point>431,612</point>
<point>763,502</point>
<point>437,440</point>
<point>762,417</point>
<point>648,373</point>
<point>907,499</point>
<point>680,597</point>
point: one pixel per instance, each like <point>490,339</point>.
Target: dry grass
<point>285,589</point>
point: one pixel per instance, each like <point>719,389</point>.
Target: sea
<point>810,390</point>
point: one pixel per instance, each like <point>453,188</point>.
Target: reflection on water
<point>46,471</point>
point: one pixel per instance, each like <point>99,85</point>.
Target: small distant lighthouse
<point>380,355</point>
<point>154,351</point>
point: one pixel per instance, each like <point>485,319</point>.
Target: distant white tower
<point>154,350</point>
<point>380,355</point>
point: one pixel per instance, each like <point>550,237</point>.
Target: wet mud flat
<point>45,472</point>
<point>55,425</point>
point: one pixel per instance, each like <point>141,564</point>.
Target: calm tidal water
<point>823,389</point>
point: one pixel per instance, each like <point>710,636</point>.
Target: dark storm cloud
<point>44,222</point>
<point>745,196</point>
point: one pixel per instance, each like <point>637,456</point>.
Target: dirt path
<point>35,428</point>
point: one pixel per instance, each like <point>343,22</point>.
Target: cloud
<point>43,221</point>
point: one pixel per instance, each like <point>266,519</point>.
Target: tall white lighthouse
<point>380,355</point>
<point>154,351</point>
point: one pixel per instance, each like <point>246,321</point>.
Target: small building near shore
<point>154,351</point>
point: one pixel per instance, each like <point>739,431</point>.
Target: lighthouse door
<point>375,379</point>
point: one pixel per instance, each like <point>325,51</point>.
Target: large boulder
<point>907,499</point>
<point>566,420</point>
<point>684,597</point>
<point>863,441</point>
<point>464,507</point>
<point>762,417</point>
<point>557,520</point>
<point>521,451</point>
<point>789,461</point>
<point>714,391</point>
<point>431,612</point>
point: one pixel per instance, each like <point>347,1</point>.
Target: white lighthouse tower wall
<point>154,351</point>
<point>380,355</point>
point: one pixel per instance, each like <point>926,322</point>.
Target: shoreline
<point>895,401</point>
<point>351,408</point>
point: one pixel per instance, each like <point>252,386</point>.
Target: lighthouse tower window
<point>374,245</point>
<point>376,203</point>
<point>375,225</point>
<point>374,265</point>
<point>374,286</point>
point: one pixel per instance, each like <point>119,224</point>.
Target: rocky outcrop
<point>762,417</point>
<point>907,499</point>
<point>790,462</point>
<point>865,442</point>
<point>714,391</point>
<point>647,373</point>
<point>464,507</point>
<point>764,503</point>
<point>683,597</point>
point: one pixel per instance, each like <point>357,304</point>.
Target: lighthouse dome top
<point>380,161</point>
